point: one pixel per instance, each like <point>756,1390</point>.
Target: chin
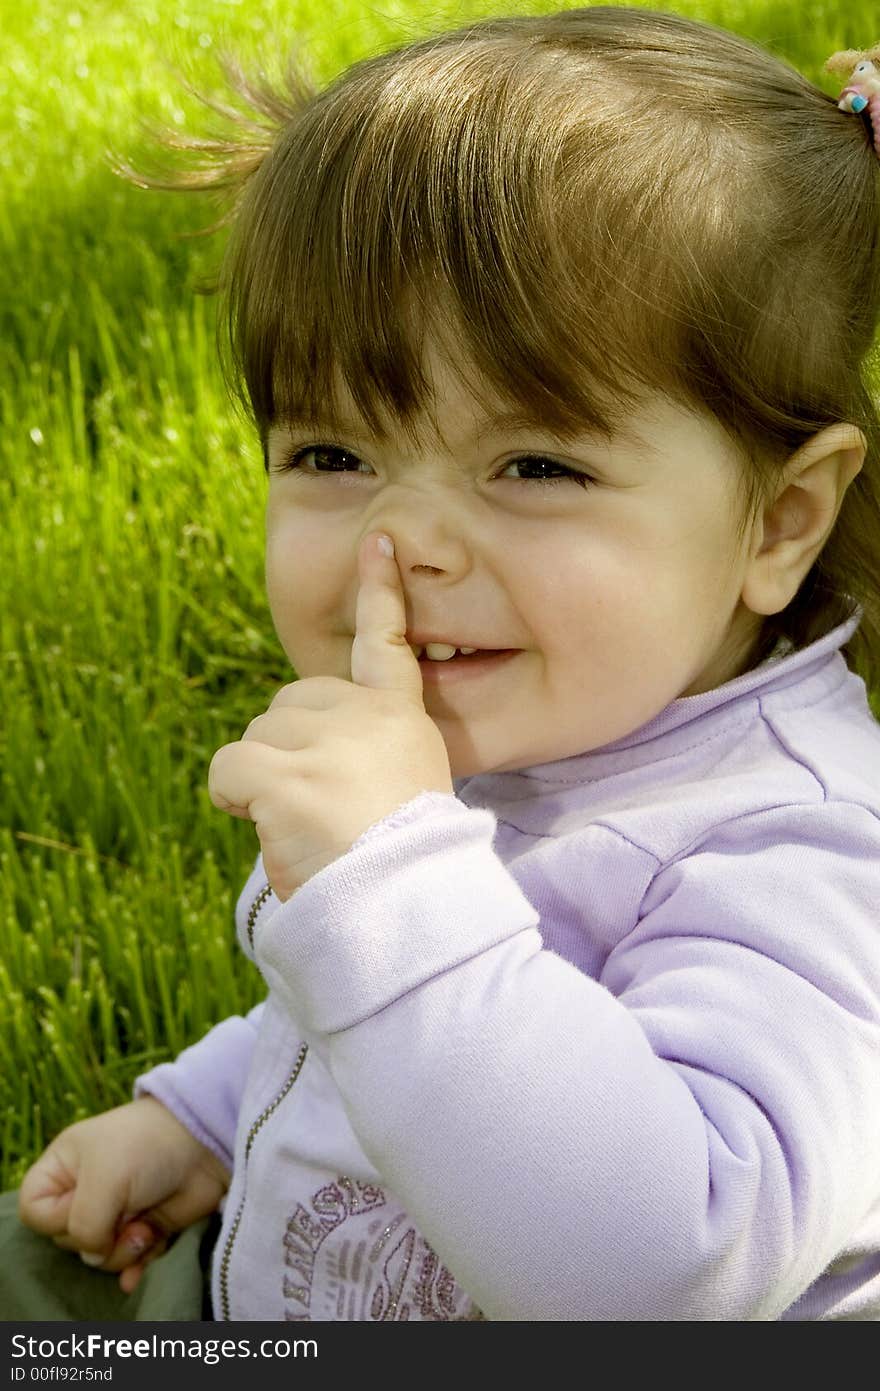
<point>306,668</point>
<point>469,764</point>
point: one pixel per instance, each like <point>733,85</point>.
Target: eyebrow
<point>509,420</point>
<point>502,420</point>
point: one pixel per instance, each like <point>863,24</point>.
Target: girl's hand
<point>329,758</point>
<point>117,1187</point>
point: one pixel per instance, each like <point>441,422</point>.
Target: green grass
<point>135,637</point>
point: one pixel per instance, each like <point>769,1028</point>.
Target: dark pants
<point>39,1281</point>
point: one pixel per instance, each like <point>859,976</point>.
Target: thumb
<point>47,1191</point>
<point>146,1234</point>
<point>381,657</point>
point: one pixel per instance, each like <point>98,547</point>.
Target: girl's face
<point>618,596</point>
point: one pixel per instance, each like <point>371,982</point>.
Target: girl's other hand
<point>116,1187</point>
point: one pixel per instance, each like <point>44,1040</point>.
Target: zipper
<point>255,908</point>
<point>258,1123</point>
<point>230,1240</point>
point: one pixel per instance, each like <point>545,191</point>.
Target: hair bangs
<point>426,199</point>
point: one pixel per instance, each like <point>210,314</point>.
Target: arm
<point>693,1136</point>
<point>204,1085</point>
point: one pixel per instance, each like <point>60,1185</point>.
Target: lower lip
<point>464,668</point>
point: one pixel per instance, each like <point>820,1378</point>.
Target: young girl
<point>571,938</point>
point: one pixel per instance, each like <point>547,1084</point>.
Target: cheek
<point>302,571</point>
<point>303,590</point>
<point>575,587</point>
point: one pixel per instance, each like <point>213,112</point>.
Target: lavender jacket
<point>593,1040</point>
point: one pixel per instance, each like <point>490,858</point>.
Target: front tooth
<point>439,651</point>
<point>466,651</point>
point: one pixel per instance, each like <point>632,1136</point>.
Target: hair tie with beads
<point>862,91</point>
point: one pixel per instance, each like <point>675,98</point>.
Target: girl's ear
<point>798,522</point>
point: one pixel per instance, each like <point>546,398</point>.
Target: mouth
<point>462,664</point>
<point>447,651</point>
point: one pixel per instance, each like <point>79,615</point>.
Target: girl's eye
<point>321,453</point>
<point>328,459</point>
<point>564,473</point>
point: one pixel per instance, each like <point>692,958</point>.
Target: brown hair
<point>608,200</point>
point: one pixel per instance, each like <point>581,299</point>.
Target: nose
<point>428,552</point>
<point>430,533</point>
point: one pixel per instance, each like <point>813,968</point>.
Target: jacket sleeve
<point>691,1136</point>
<point>204,1085</point>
